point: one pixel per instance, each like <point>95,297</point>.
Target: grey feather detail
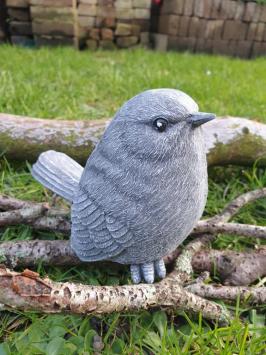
<point>58,172</point>
<point>96,235</point>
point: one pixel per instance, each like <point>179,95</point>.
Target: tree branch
<point>252,295</point>
<point>26,291</point>
<point>234,268</point>
<point>234,206</point>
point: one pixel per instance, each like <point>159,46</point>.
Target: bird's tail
<point>58,172</point>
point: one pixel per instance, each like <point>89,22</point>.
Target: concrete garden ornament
<point>143,188</point>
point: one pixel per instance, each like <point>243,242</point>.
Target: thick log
<point>229,140</point>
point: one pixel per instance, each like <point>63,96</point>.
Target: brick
<point>204,45</point>
<point>91,44</point>
<point>53,41</point>
<point>259,48</point>
<point>52,13</point>
<point>168,24</point>
<point>183,26</point>
<point>182,43</point>
<point>193,26</point>
<point>144,24</point>
<point>123,4</point>
<point>220,46</point>
<point>56,3</point>
<point>89,10</point>
<point>107,44</point>
<point>88,2</point>
<point>125,29</point>
<point>201,28</point>
<point>94,33</point>
<point>17,3</point>
<point>86,21</point>
<point>124,14</point>
<point>257,13</point>
<point>243,49</point>
<point>224,47</point>
<point>107,34</point>
<point>172,7</point>
<point>141,13</point>
<point>235,30</point>
<point>197,27</point>
<point>125,42</point>
<point>263,14</point>
<point>188,7</point>
<point>2,33</point>
<point>109,22</point>
<point>260,32</point>
<point>18,14</point>
<point>240,10</point>
<point>216,9</point>
<point>53,28</point>
<point>203,8</point>
<point>252,29</point>
<point>249,11</point>
<point>160,42</point>
<point>107,3</point>
<point>141,4</point>
<point>24,41</point>
<point>214,29</point>
<point>145,38</point>
<point>228,9</point>
<point>20,28</point>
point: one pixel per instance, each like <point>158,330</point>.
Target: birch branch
<point>229,140</point>
<point>28,292</point>
<point>253,295</point>
<point>246,230</point>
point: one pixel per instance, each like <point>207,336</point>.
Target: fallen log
<point>229,140</point>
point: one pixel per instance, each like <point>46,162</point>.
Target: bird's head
<point>154,122</point>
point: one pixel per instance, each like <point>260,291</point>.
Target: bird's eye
<point>160,124</point>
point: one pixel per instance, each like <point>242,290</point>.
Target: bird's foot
<point>147,271</point>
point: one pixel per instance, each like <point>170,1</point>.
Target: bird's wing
<point>96,235</point>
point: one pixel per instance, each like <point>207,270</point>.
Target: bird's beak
<point>197,119</point>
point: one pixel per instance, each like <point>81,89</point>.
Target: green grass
<point>63,83</point>
<point>68,84</point>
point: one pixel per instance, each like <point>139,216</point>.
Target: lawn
<point>63,83</point>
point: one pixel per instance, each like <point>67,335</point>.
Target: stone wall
<point>109,23</point>
<point>3,24</point>
<point>230,27</point>
<point>214,26</point>
<point>19,22</point>
<point>86,23</point>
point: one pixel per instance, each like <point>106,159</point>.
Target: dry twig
<point>26,291</point>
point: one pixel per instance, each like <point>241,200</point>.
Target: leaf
<point>55,346</point>
<point>4,349</point>
<point>160,320</point>
<point>89,339</point>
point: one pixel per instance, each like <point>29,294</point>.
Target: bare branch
<point>27,292</point>
<point>229,293</point>
<point>248,230</point>
<point>234,268</point>
<point>234,206</point>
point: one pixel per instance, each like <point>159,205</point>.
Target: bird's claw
<point>148,271</point>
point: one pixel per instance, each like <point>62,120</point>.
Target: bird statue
<point>144,187</point>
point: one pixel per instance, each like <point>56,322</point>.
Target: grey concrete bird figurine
<point>143,188</point>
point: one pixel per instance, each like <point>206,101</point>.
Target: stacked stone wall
<point>229,27</point>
